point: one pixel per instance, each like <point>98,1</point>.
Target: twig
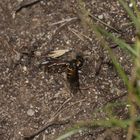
<point>115,98</point>
<point>53,121</point>
<point>90,39</point>
<point>79,34</point>
<point>50,123</point>
<point>24,4</point>
<point>72,105</point>
<point>112,28</point>
<point>59,109</point>
<point>64,20</point>
<point>75,33</point>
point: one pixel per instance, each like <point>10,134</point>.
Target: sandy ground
<point>30,97</point>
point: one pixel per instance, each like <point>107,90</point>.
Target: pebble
<point>30,112</point>
<point>38,53</point>
<point>24,68</point>
<point>100,16</point>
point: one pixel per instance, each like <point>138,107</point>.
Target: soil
<point>30,97</point>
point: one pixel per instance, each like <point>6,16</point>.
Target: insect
<point>71,68</point>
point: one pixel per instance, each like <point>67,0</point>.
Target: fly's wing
<point>57,53</point>
<point>54,65</point>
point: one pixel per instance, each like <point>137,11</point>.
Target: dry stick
<point>90,39</point>
<point>74,32</point>
<point>22,5</point>
<point>26,4</point>
<point>112,28</point>
<point>115,98</point>
<point>59,109</point>
<point>72,105</point>
<point>64,20</point>
<point>79,34</point>
<point>50,123</point>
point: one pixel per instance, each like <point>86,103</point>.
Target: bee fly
<point>71,68</point>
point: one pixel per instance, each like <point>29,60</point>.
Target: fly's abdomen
<point>73,76</point>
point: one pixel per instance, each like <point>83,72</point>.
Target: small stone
<point>68,42</point>
<point>100,16</point>
<point>24,68</point>
<point>2,86</point>
<point>17,56</point>
<point>27,81</point>
<point>30,112</point>
<point>38,53</point>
